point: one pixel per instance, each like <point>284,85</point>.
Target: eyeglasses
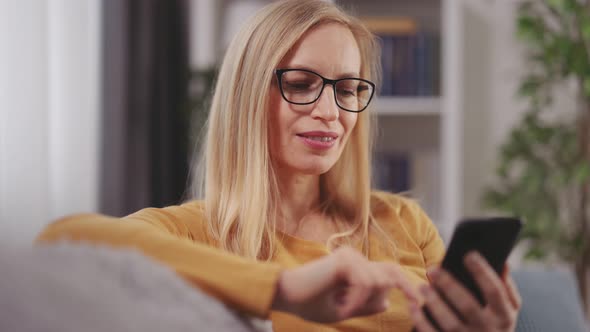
<point>304,87</point>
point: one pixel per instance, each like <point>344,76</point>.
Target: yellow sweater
<point>177,236</point>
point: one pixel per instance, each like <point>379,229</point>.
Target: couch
<point>71,288</point>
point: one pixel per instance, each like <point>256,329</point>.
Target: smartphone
<point>493,238</point>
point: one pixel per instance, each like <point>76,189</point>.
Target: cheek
<point>349,121</point>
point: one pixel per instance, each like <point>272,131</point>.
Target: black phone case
<point>493,238</point>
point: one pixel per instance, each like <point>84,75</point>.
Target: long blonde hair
<point>241,192</point>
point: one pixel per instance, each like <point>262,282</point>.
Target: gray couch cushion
<point>72,288</point>
<point>551,301</point>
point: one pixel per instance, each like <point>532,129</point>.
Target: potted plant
<point>543,173</point>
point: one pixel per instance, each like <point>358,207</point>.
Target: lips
<point>318,140</point>
<point>319,135</point>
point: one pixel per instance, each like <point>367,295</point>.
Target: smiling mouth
<point>318,138</point>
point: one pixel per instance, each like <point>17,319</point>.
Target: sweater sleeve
<point>166,236</point>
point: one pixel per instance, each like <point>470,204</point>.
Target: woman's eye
<point>347,92</point>
<point>299,86</point>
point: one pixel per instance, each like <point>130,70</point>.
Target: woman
<point>289,226</point>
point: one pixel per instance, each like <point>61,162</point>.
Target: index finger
<point>489,282</point>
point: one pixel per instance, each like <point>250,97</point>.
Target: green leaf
<point>535,253</point>
<point>556,4</point>
<point>530,86</point>
<point>495,199</point>
<point>585,25</point>
<point>587,86</point>
<point>531,29</point>
<point>564,6</point>
<point>502,171</point>
<point>577,59</point>
<point>561,178</point>
<point>582,172</point>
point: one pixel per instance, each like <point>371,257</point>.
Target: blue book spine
<point>387,65</point>
<point>404,175</point>
<point>392,172</point>
<point>421,65</point>
<point>410,67</point>
<point>432,65</point>
<point>399,63</point>
<point>380,172</point>
<point>396,43</point>
<point>436,57</point>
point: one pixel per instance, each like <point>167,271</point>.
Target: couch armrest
<point>69,288</point>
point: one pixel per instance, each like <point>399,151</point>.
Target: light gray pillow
<point>73,288</point>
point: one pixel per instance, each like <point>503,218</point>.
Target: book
<point>422,63</point>
<point>411,65</point>
<point>392,171</point>
<point>387,65</point>
<point>410,58</point>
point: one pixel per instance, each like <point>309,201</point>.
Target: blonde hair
<point>240,186</point>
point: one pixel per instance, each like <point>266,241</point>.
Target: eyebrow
<point>342,75</point>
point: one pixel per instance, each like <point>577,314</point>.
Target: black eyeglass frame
<point>279,73</point>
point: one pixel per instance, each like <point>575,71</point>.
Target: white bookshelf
<point>429,129</point>
<point>408,106</point>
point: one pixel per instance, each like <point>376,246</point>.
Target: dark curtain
<point>145,59</point>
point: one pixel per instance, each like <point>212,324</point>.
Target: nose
<point>325,107</point>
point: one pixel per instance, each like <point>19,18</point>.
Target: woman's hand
<point>499,314</point>
<point>341,285</point>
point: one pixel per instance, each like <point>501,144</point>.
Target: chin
<point>307,164</point>
<point>316,171</point>
<point>314,168</point>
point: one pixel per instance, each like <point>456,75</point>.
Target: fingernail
<point>472,258</point>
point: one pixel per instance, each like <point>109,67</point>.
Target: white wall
<point>213,24</point>
<point>24,185</point>
<point>49,112</point>
<point>493,68</point>
<point>74,103</point>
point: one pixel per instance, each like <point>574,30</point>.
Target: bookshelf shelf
<point>403,106</point>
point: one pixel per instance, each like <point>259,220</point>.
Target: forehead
<point>329,49</point>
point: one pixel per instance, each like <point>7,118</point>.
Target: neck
<point>300,195</point>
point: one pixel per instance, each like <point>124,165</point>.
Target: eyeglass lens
<point>302,87</point>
